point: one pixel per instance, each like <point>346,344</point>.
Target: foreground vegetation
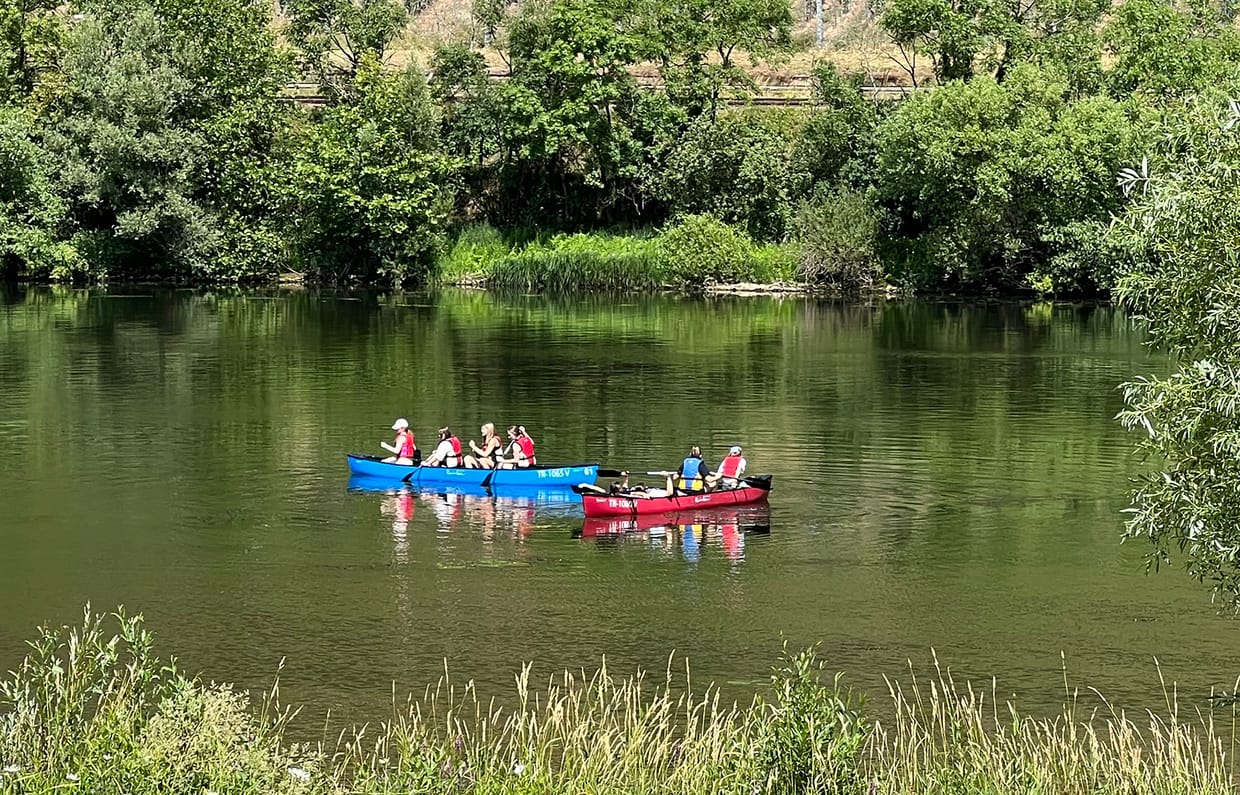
<point>147,139</point>
<point>99,712</point>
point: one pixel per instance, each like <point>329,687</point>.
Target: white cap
<point>400,424</point>
<point>736,450</point>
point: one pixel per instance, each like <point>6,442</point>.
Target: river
<point>948,481</point>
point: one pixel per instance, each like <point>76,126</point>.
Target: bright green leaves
<point>31,32</point>
<point>371,191</point>
<point>1167,52</point>
<point>334,37</point>
<point>976,176</point>
<point>1182,227</point>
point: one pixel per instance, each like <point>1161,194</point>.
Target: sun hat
<point>736,450</point>
<point>400,424</point>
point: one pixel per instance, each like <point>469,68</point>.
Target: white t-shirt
<point>443,452</point>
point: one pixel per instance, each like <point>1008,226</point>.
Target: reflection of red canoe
<point>755,490</point>
<point>750,518</point>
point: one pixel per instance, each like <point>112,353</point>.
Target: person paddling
<point>447,452</point>
<point>403,447</point>
<point>731,470</point>
<point>526,443</point>
<point>691,477</point>
<point>488,455</point>
<point>521,446</point>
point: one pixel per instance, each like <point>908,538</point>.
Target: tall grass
<point>689,254</point>
<point>582,262</point>
<point>93,711</point>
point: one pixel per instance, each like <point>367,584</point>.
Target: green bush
<point>776,262</point>
<point>472,255</point>
<point>813,734</point>
<point>838,236</point>
<point>701,249</point>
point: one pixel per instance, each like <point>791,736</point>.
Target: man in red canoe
<point>692,476</point>
<point>731,470</point>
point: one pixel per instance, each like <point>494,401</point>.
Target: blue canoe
<point>532,477</point>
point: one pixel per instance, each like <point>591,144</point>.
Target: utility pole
<point>818,9</point>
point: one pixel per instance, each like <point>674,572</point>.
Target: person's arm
<point>391,448</point>
<point>473,446</point>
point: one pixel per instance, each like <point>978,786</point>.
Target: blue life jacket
<point>690,479</point>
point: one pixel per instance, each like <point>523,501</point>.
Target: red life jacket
<point>527,447</point>
<point>456,445</point>
<point>730,467</point>
<point>407,446</point>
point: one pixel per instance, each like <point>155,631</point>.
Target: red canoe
<point>756,490</point>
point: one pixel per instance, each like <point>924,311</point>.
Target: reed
<point>93,710</point>
<point>582,262</point>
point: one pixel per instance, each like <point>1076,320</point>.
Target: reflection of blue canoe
<point>533,477</point>
<point>502,495</point>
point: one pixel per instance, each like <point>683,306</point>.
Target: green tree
<point>951,33</point>
<point>573,142</point>
<point>128,158</point>
<point>961,37</point>
<point>739,168</point>
<point>30,210</point>
<point>1182,227</point>
<point>975,178</point>
<point>372,192</point>
<point>165,131</point>
<point>30,37</point>
<point>836,144</point>
<point>696,44</point>
<point>334,37</point>
<point>1166,51</point>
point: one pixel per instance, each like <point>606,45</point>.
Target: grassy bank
<point>693,254</point>
<point>93,711</point>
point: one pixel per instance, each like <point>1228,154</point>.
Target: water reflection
<point>694,533</point>
<point>490,511</point>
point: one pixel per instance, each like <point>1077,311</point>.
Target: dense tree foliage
<point>1181,231</point>
<point>149,138</point>
<point>977,178</point>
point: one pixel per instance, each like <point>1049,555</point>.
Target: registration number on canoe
<point>561,472</point>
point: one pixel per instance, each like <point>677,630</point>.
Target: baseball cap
<point>400,424</point>
<point>736,450</point>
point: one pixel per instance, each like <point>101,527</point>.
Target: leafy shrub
<point>838,236</point>
<point>776,262</point>
<point>813,733</point>
<point>98,710</point>
<point>739,168</point>
<point>698,249</point>
<point>476,249</point>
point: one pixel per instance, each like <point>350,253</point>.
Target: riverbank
<point>93,707</point>
<point>693,254</point>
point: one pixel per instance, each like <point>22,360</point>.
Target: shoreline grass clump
<point>93,710</point>
<point>688,254</point>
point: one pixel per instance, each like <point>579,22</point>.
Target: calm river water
<point>947,477</point>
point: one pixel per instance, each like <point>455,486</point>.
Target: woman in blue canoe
<point>403,448</point>
<point>489,453</point>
